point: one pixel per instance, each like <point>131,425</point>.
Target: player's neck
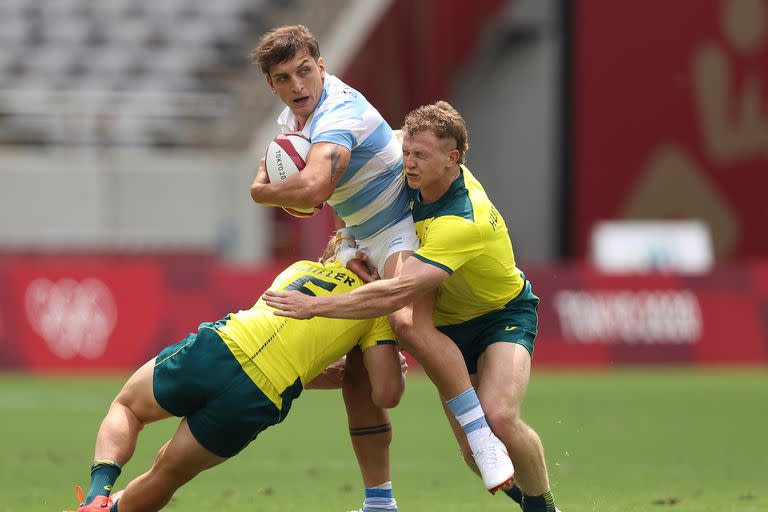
<point>432,194</point>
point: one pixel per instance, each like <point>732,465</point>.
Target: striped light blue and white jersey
<point>371,195</point>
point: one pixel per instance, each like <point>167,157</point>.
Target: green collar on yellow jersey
<point>454,202</point>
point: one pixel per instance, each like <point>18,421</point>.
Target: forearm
<point>312,186</point>
<point>299,195</point>
<point>369,301</point>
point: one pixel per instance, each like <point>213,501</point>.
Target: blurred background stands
<point>126,72</point>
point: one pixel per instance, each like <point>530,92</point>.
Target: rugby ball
<point>287,155</point>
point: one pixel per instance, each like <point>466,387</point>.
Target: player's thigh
<point>385,373</point>
<point>382,362</point>
<point>138,395</point>
<point>504,370</point>
<point>413,325</point>
<point>393,265</point>
<point>184,456</point>
<point>354,367</point>
<point>390,246</point>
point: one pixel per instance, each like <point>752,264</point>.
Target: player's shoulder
<point>339,90</point>
<point>341,99</point>
<point>485,212</point>
<point>474,189</point>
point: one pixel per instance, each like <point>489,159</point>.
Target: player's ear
<point>321,65</point>
<point>453,157</point>
<point>270,84</point>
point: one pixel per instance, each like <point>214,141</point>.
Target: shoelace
<point>487,455</point>
<point>80,497</point>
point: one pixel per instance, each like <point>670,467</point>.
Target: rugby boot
<point>99,503</point>
<point>494,463</point>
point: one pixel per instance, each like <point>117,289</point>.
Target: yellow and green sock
<point>542,503</point>
<point>103,476</point>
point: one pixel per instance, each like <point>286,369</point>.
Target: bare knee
<point>161,453</point>
<point>386,389</point>
<point>121,405</point>
<point>170,470</point>
<point>387,396</point>
<point>503,418</point>
<point>358,390</point>
<point>402,325</point>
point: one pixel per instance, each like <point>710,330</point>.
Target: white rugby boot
<point>494,463</point>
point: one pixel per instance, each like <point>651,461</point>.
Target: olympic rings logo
<point>73,317</point>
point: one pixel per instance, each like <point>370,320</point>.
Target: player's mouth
<point>301,102</point>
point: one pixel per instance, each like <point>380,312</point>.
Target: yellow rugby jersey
<point>463,234</point>
<point>276,352</point>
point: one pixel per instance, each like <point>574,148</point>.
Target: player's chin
<point>304,214</point>
<point>412,181</point>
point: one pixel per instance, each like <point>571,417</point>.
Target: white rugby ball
<point>287,155</point>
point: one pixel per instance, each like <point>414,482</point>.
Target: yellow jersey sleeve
<point>449,241</point>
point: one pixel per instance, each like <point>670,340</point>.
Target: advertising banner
<point>594,319</point>
<point>670,118</point>
<point>115,313</point>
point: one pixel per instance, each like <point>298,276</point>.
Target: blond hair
<point>281,44</point>
<point>329,253</point>
<point>441,119</point>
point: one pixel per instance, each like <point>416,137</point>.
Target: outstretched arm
<point>312,186</point>
<point>369,301</point>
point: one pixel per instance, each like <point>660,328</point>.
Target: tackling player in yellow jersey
<point>229,381</point>
<point>356,165</point>
<point>484,303</point>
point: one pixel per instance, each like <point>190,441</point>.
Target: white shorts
<point>396,238</point>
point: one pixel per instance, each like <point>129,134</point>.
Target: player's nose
<point>296,85</point>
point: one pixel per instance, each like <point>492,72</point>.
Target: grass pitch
<point>659,440</point>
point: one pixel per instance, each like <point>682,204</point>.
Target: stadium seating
<point>85,64</point>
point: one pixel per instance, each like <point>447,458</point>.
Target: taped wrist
<point>346,247</point>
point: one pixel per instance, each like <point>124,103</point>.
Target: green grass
<point>677,440</point>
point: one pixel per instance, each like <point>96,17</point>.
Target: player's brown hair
<point>441,119</point>
<point>281,44</point>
